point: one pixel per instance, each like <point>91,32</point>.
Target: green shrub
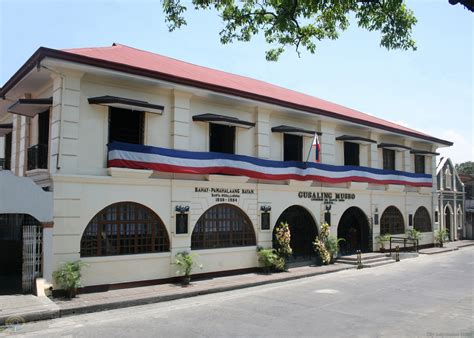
<point>283,239</point>
<point>321,251</point>
<point>325,245</point>
<point>68,277</point>
<point>414,234</point>
<point>270,260</point>
<point>382,239</point>
<point>332,246</point>
<point>440,236</point>
<point>185,261</point>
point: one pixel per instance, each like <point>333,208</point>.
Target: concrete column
<point>408,161</point>
<point>48,252</point>
<point>2,147</point>
<point>23,145</point>
<point>328,140</point>
<point>262,133</point>
<point>64,146</point>
<point>180,120</point>
<point>15,143</point>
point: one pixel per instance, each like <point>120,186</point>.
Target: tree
<point>466,168</point>
<point>302,23</point>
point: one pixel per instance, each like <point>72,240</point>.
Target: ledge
<point>129,173</point>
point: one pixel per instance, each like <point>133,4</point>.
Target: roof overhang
<point>393,146</point>
<point>355,139</point>
<point>30,107</point>
<point>294,131</point>
<point>423,152</point>
<point>124,103</point>
<point>222,119</point>
<point>5,128</point>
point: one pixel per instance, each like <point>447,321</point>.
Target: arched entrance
<point>303,231</point>
<point>448,220</point>
<point>354,228</point>
<point>20,252</point>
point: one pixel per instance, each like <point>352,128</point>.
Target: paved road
<point>426,296</point>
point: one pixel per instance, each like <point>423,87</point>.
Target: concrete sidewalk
<point>448,246</point>
<point>18,309</point>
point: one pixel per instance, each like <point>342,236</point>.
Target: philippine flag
<point>316,146</point>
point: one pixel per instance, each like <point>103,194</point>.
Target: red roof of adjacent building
<point>135,61</point>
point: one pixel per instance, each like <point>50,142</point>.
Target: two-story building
<point>135,157</point>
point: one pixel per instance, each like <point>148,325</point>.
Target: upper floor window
<point>38,153</point>
<point>419,164</point>
<point>448,179</point>
<point>389,159</point>
<point>292,147</point>
<point>351,153</point>
<point>221,138</point>
<point>126,126</point>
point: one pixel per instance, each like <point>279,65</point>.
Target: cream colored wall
<point>2,147</point>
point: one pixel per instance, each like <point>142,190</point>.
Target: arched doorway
<point>19,234</point>
<point>354,228</point>
<point>303,231</point>
<point>448,220</point>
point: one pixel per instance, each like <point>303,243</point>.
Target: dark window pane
<point>422,220</point>
<point>8,151</point>
<point>222,138</point>
<point>181,223</point>
<point>392,222</point>
<point>351,153</point>
<point>122,229</point>
<point>292,147</point>
<point>223,226</point>
<point>388,159</point>
<point>126,126</point>
<point>419,164</point>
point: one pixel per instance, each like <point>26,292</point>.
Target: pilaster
<point>65,122</point>
<point>181,118</point>
<point>262,133</point>
<point>327,142</point>
<point>373,151</point>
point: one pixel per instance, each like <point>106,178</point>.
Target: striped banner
<point>133,156</point>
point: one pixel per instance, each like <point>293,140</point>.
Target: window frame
<point>141,125</point>
<point>420,160</point>
<point>351,159</point>
<point>392,221</point>
<point>227,131</point>
<point>110,224</point>
<point>289,154</point>
<point>218,228</point>
<point>389,159</point>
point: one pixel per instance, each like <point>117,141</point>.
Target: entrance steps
<point>369,260</point>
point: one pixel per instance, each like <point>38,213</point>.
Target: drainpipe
<point>61,122</point>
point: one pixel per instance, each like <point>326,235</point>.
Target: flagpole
<point>310,147</point>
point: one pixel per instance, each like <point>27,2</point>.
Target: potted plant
<point>270,260</point>
<point>440,236</point>
<point>185,261</point>
<point>283,239</point>
<point>332,246</point>
<point>382,239</point>
<point>68,277</point>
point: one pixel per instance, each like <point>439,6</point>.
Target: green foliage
<point>68,276</point>
<point>414,234</point>
<point>382,239</point>
<point>283,239</point>
<point>325,245</point>
<point>440,236</point>
<point>270,260</point>
<point>185,261</point>
<point>466,168</point>
<point>301,23</point>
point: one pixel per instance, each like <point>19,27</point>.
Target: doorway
<point>354,228</point>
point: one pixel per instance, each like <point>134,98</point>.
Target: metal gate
<point>32,256</point>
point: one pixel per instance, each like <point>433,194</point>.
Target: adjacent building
<point>122,158</point>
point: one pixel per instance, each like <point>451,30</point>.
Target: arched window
<point>460,218</point>
<point>223,226</point>
<point>392,222</point>
<point>422,220</point>
<point>124,228</point>
<point>448,178</point>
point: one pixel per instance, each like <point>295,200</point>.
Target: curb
<point>165,298</point>
<point>18,319</point>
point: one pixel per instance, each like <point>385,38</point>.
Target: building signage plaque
<point>326,197</point>
<point>225,194</point>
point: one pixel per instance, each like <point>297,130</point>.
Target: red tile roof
<point>141,62</point>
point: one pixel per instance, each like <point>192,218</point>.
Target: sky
<point>430,90</point>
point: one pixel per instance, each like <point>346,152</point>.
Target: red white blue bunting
<point>124,155</point>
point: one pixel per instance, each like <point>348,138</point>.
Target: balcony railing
<point>38,157</point>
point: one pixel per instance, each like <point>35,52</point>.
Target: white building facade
<point>140,156</point>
